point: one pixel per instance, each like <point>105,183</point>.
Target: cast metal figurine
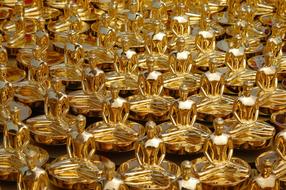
<point>188,180</point>
<point>266,179</point>
<point>150,102</point>
<point>181,70</point>
<point>116,132</point>
<point>12,73</point>
<point>42,40</point>
<point>149,170</point>
<point>272,98</point>
<point>80,168</point>
<point>34,88</point>
<point>89,100</point>
<point>52,128</point>
<point>218,168</point>
<point>237,72</point>
<point>16,141</point>
<point>247,131</point>
<point>211,102</point>
<point>125,74</point>
<point>182,134</point>
<point>31,176</point>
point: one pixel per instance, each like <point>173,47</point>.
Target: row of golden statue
<point>154,75</point>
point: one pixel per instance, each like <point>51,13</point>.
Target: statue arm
<point>141,84</point>
<point>115,62</point>
<point>230,152</point>
<point>253,186</point>
<point>279,141</point>
<point>69,147</point>
<point>163,153</point>
<point>171,62</point>
<point>44,181</point>
<point>138,151</point>
<point>160,84</point>
<point>5,137</point>
<point>203,81</point>
<point>222,86</point>
<point>171,114</point>
<point>234,110</point>
<point>105,112</point>
<point>190,64</point>
<point>20,182</point>
<point>194,110</point>
<point>206,149</point>
<point>93,148</point>
<point>126,110</point>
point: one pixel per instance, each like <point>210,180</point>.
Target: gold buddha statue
<point>80,168</point>
<point>133,25</point>
<point>7,101</point>
<point>113,180</point>
<point>12,73</point>
<point>266,179</point>
<point>271,97</point>
<point>274,44</point>
<point>229,16</point>
<point>180,25</point>
<point>237,72</point>
<point>37,9</point>
<point>116,132</point>
<point>106,35</point>
<point>218,168</point>
<point>278,16</point>
<point>182,70</point>
<point>25,56</point>
<point>149,170</point>
<point>34,88</point>
<point>156,45</point>
<point>16,141</point>
<point>246,23</point>
<point>125,73</point>
<point>15,29</point>
<point>182,134</point>
<point>70,70</point>
<point>68,19</point>
<point>187,180</point>
<point>31,176</point>
<point>210,101</point>
<point>205,44</point>
<point>150,102</point>
<point>158,11</point>
<point>52,127</point>
<point>246,129</point>
<point>88,101</point>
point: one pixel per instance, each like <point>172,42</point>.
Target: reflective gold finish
<point>210,101</point>
<point>278,16</point>
<point>266,179</point>
<point>81,168</point>
<point>68,20</point>
<point>42,40</point>
<point>16,141</point>
<point>70,70</point>
<point>205,44</point>
<point>237,72</point>
<point>182,70</point>
<point>12,73</point>
<point>31,176</point>
<point>278,119</point>
<point>52,128</point>
<point>89,100</point>
<point>116,132</point>
<point>150,103</point>
<point>149,170</point>
<point>218,168</point>
<point>182,134</point>
<point>272,98</point>
<point>246,130</point>
<point>34,89</point>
